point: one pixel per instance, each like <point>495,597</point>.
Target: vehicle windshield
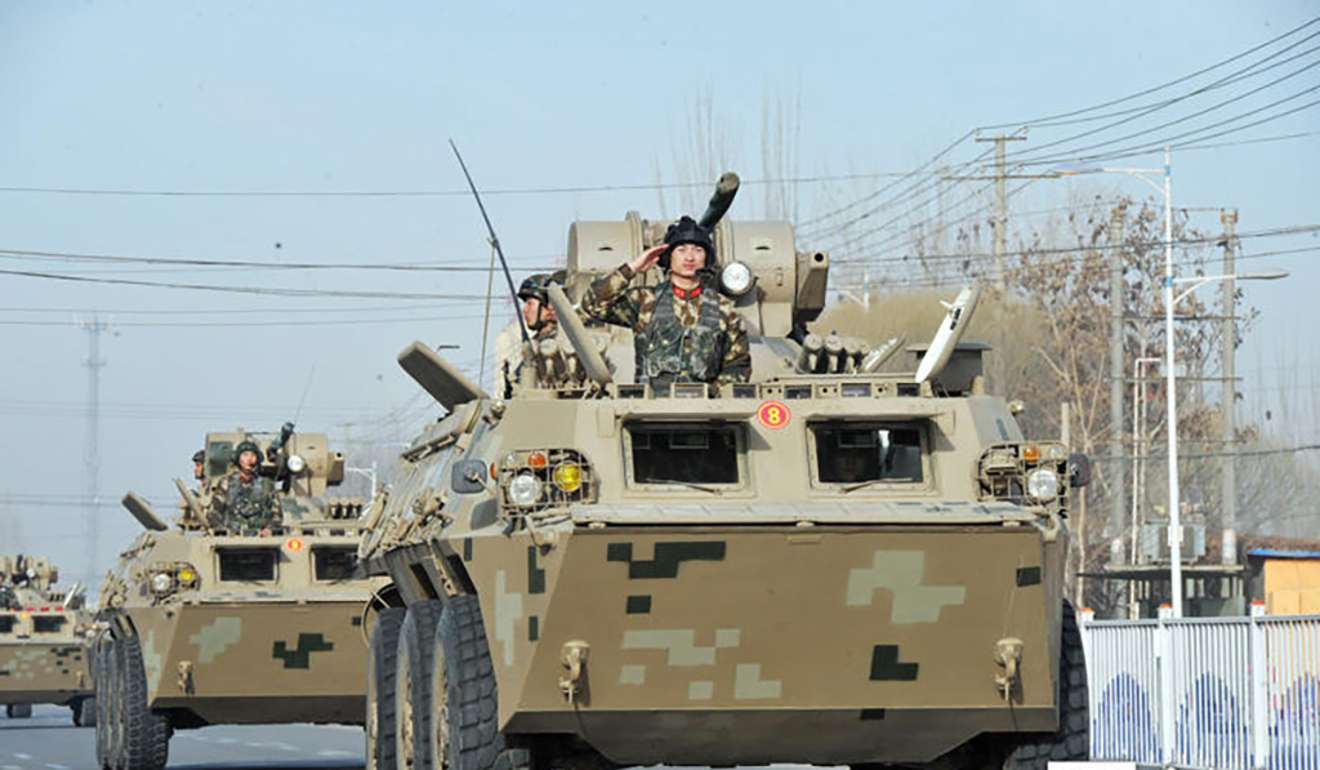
<point>857,453</point>
<point>684,454</point>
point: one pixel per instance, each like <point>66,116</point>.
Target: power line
<point>1160,87</point>
<point>275,324</point>
<point>248,264</point>
<point>259,290</point>
<point>1044,251</point>
<point>425,193</point>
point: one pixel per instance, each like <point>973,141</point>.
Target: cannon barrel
<point>725,190</point>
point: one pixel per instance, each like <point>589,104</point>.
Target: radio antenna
<point>494,240</point>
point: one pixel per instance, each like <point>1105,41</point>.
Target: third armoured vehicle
<point>831,563</point>
<point>43,641</point>
<point>213,621</point>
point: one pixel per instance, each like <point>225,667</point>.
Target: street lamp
<point>1175,524</point>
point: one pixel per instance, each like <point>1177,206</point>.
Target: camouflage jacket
<point>243,506</point>
<point>509,353</point>
<point>611,300</point>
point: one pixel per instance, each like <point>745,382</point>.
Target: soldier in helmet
<point>538,316</point>
<point>199,466</point>
<point>242,501</point>
<point>685,331</point>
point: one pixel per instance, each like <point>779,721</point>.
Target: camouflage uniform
<point>243,506</point>
<point>679,337</point>
<point>509,352</point>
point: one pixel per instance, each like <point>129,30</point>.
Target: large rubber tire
<point>465,735</point>
<point>146,733</point>
<point>381,662</point>
<point>109,731</point>
<point>84,711</point>
<point>19,710</point>
<point>1072,741</point>
<point>413,704</point>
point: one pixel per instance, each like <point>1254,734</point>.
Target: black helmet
<point>199,456</point>
<point>687,230</point>
<point>246,445</point>
<point>533,287</point>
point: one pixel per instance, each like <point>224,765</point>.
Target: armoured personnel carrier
<point>44,636</point>
<point>218,620</point>
<point>828,564</point>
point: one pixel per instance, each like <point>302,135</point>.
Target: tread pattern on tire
<point>1072,741</point>
<point>105,673</point>
<point>381,663</point>
<point>146,733</point>
<point>418,634</point>
<point>475,740</point>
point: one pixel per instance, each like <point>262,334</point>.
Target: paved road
<point>49,741</point>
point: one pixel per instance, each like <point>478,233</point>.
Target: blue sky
<point>346,96</point>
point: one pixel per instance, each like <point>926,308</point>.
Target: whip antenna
<point>494,240</point>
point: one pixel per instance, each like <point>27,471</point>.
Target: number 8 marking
<point>773,415</point>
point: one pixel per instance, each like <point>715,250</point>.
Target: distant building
<point>1284,574</point>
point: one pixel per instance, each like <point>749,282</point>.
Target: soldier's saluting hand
<point>685,330</point>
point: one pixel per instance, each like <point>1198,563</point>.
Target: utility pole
<point>1117,292</point>
<point>1001,201</point>
<point>92,460</point>
<point>1228,347</point>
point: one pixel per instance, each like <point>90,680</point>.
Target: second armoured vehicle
<point>828,564</point>
<point>211,622</point>
<point>44,635</point>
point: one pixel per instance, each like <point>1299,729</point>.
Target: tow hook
<point>1008,654</point>
<point>573,683</point>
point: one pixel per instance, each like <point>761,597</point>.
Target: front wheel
<point>1072,741</point>
<point>464,732</point>
<point>381,683</point>
<point>143,734</point>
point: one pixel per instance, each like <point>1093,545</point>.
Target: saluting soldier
<point>684,330</point>
<point>242,501</point>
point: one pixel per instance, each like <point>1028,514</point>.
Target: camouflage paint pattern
<point>232,647</point>
<point>777,618</point>
<point>39,664</point>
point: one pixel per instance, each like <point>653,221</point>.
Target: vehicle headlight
<point>1043,484</point>
<point>295,464</point>
<point>736,279</point>
<point>187,577</point>
<point>568,477</point>
<point>162,582</point>
<point>524,489</point>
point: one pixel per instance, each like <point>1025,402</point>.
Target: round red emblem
<point>773,415</point>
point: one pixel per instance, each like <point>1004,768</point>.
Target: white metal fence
<point>1222,693</point>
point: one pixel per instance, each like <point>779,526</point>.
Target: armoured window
<point>48,624</point>
<point>334,562</point>
<point>684,454</point>
<point>858,453</point>
<point>7,624</point>
<point>248,564</point>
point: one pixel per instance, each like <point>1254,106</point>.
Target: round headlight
<point>1043,484</point>
<point>187,576</point>
<point>162,582</point>
<point>568,477</point>
<point>525,489</point>
<point>295,464</point>
<point>736,279</point>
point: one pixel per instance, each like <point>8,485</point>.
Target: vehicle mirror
<point>1079,470</point>
<point>469,477</point>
